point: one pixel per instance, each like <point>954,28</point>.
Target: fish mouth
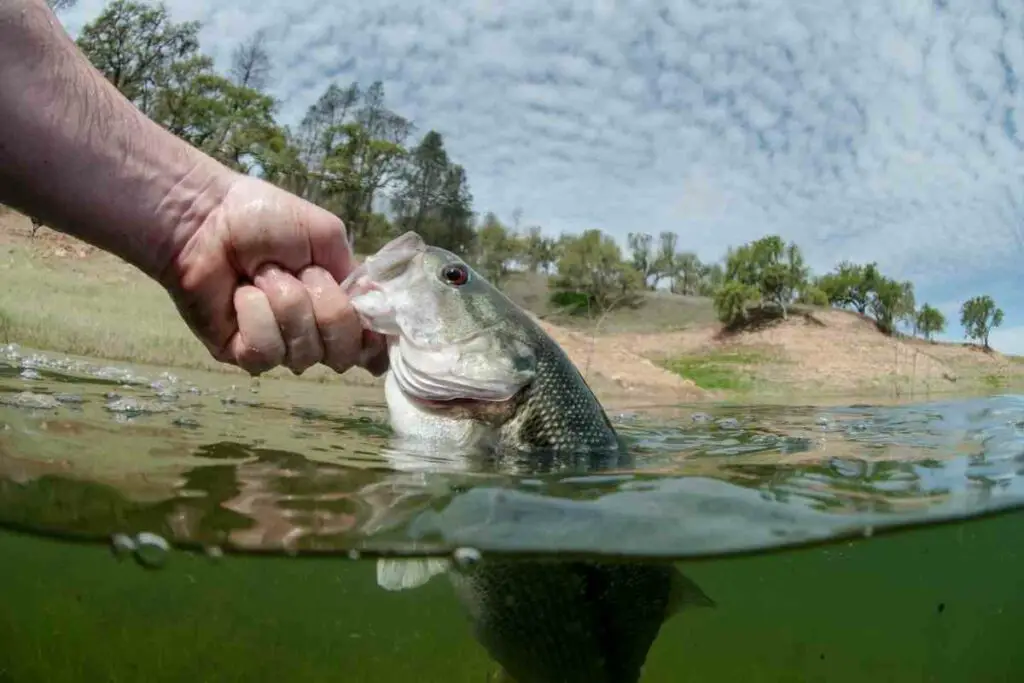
<point>394,258</point>
<point>494,411</point>
<point>388,263</point>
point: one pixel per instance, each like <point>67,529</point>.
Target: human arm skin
<point>252,269</point>
<point>78,155</point>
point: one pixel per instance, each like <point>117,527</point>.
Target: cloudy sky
<point>869,130</point>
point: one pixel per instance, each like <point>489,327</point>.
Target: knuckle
<point>303,354</point>
<point>256,360</point>
<point>288,295</point>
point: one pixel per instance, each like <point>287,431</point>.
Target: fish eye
<point>455,274</point>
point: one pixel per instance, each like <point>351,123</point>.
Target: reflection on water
<point>105,455</point>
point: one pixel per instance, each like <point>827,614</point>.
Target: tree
<point>539,252</point>
<point>320,127</point>
<point>732,300</point>
<point>666,260</point>
<point>250,62</point>
<point>375,151</point>
<point>353,146</point>
<point>688,275</point>
<point>771,267</point>
<point>433,198</point>
<point>850,285</point>
<point>929,320</point>
<point>657,263</point>
<point>712,275</point>
<point>591,267</point>
<point>136,46</point>
<point>494,248</point>
<point>891,301</point>
<point>811,295</point>
<point>231,123</point>
<point>978,316</point>
<point>640,248</point>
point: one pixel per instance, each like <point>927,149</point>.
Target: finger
<point>328,241</point>
<point>257,346</point>
<point>268,223</point>
<point>293,309</point>
<point>339,326</point>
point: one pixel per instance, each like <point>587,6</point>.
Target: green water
<point>838,544</point>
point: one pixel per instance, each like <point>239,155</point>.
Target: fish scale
<point>558,410</point>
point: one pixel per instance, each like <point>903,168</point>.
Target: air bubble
<point>466,558</point>
<point>122,545</point>
<point>151,550</point>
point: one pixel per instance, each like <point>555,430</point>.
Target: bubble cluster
<point>148,549</point>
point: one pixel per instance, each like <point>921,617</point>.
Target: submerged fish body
<point>472,372</point>
<point>555,621</point>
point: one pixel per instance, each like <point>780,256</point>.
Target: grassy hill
<point>65,296</point>
<point>659,312</point>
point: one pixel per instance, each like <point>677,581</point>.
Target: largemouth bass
<point>472,373</point>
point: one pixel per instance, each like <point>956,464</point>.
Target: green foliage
<point>654,263</point>
<point>591,264</point>
<point>715,371</point>
<point>769,267</point>
<point>891,301</point>
<point>688,273</point>
<point>684,271</point>
<point>929,320</point>
<point>733,299</point>
<point>539,252</point>
<point>850,285</point>
<point>811,295</point>
<point>433,198</point>
<point>136,46</point>
<point>978,316</point>
<point>712,275</point>
<point>495,248</point>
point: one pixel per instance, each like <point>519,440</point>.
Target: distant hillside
<point>65,296</point>
<point>660,311</point>
<point>825,351</point>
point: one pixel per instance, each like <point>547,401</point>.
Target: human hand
<point>257,282</point>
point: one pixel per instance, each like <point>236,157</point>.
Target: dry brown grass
<point>62,295</point>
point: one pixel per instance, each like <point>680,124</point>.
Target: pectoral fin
<point>397,575</point>
<point>686,593</point>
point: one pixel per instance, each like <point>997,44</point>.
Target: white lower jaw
<point>443,440</point>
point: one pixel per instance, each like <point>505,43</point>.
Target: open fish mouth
<point>394,258</point>
<point>388,263</point>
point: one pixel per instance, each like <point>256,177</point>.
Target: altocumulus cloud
<point>870,130</point>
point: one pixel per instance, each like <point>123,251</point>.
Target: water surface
<point>839,543</point>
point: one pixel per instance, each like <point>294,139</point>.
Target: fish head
<point>450,346</point>
<point>424,294</point>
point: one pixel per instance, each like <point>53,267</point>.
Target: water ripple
<point>89,451</point>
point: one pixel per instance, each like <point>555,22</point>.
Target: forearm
<point>77,154</point>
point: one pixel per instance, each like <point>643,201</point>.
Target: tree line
<point>355,156</point>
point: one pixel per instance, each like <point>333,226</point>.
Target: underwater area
<point>158,527</point>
